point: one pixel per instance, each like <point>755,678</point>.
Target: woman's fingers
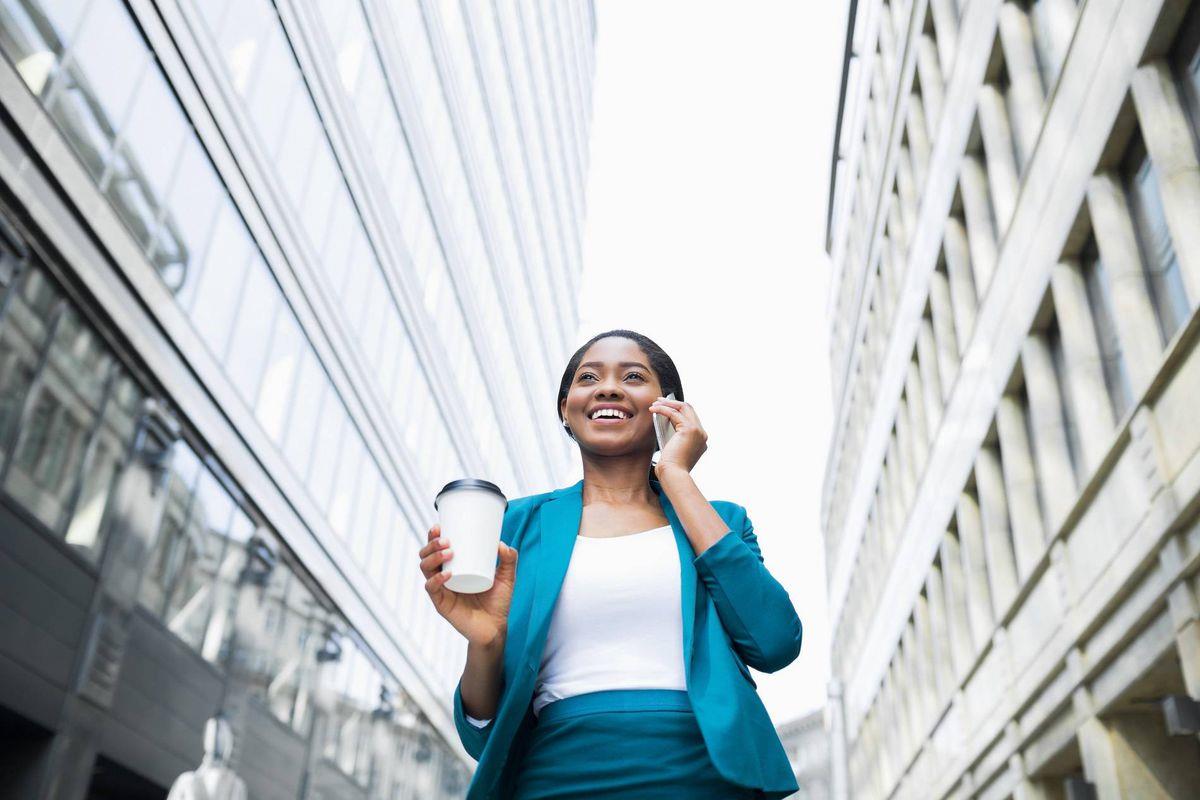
<point>433,562</point>
<point>435,584</point>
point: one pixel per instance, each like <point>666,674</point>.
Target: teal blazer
<point>735,614</point>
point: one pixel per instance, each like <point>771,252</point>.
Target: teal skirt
<point>621,744</point>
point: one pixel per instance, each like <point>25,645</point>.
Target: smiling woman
<point>579,677</point>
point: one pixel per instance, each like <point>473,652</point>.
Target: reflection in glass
<point>279,376</point>
<point>108,448</point>
<point>259,303</point>
<point>62,414</point>
<point>26,326</point>
<point>184,468</point>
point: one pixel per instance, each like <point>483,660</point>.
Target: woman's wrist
<point>489,646</point>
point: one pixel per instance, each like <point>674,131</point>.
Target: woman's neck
<point>621,480</point>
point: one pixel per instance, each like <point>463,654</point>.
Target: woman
<point>612,661</point>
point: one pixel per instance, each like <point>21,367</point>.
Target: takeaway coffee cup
<point>471,513</point>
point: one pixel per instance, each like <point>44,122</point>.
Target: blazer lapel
<point>687,580</point>
<point>559,521</point>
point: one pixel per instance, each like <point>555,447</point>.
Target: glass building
<point>271,273</point>
<point>1011,496</point>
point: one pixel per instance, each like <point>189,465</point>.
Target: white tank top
<point>618,620</point>
<point>617,623</point>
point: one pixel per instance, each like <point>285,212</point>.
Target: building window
<point>1158,253</point>
<point>1185,61</point>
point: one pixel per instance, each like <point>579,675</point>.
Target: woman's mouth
<point>610,417</point>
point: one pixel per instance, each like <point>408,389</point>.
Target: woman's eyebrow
<point>600,365</point>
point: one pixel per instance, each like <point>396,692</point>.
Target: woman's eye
<point>636,375</point>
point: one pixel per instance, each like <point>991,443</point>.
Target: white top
<point>618,620</point>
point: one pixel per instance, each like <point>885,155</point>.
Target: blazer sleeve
<point>755,609</point>
<point>473,737</point>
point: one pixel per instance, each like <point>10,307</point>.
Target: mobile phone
<point>664,429</point>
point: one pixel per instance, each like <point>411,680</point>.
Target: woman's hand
<point>482,618</point>
<point>689,440</point>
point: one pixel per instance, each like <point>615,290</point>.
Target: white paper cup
<point>471,513</point>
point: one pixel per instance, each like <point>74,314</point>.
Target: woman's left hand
<point>688,442</point>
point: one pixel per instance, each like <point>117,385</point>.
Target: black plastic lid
<point>470,483</point>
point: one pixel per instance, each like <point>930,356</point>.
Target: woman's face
<point>613,373</point>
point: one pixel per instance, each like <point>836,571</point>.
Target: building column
<point>993,506</point>
<point>981,227</point>
<point>1084,377</point>
<point>1169,140</point>
<point>1059,18</point>
<point>964,298</point>
<point>1184,607</point>
<point>1002,174</point>
<point>1130,754</point>
<point>975,576</point>
<point>1020,482</point>
<point>944,336</point>
<point>1056,473</point>
<point>921,429</point>
<point>939,635</point>
<point>906,189</point>
<point>1026,95</point>
<point>1133,312</point>
<point>945,28</point>
<point>933,86</point>
<point>962,649</point>
<point>913,691</point>
<point>918,137</point>
<point>930,378</point>
<point>907,462</point>
<point>930,651</point>
<point>839,766</point>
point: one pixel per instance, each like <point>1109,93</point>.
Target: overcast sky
<point>710,143</point>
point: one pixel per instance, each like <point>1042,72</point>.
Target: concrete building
<point>271,273</point>
<point>807,743</point>
<point>1011,493</point>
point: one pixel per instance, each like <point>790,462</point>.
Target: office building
<point>271,273</point>
<point>1011,492</point>
<point>807,744</point>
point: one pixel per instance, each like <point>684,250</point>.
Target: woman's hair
<point>660,362</point>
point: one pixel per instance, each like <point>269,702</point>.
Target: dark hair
<point>660,362</point>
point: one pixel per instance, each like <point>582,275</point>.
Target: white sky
<point>710,144</point>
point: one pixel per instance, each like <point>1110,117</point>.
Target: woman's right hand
<point>482,618</point>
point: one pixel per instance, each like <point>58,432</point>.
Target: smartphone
<point>664,429</point>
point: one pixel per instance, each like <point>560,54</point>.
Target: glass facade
<point>370,215</point>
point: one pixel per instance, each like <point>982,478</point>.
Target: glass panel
<point>262,593</point>
<point>51,447</point>
<point>22,339</point>
<point>156,583</point>
<point>192,208</point>
<point>227,582</point>
<point>209,531</point>
<point>109,55</point>
<point>154,133</point>
<point>279,376</point>
<point>300,434</point>
<point>301,628</point>
<point>334,434</point>
<point>33,34</point>
<point>251,334</point>
<point>221,281</point>
<point>108,449</point>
